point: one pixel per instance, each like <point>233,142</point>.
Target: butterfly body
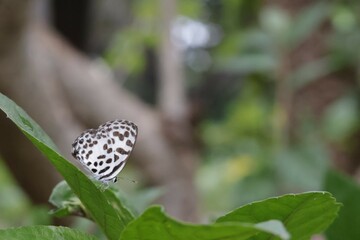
<point>104,151</point>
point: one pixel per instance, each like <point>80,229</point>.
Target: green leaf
<point>100,207</point>
<point>154,224</point>
<point>66,201</point>
<point>303,214</point>
<point>310,71</point>
<point>114,197</point>
<point>44,232</point>
<point>341,119</point>
<point>346,190</point>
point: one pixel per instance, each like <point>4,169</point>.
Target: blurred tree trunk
<point>65,92</point>
<point>315,97</point>
<point>174,108</point>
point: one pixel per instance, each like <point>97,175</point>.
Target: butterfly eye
<point>104,151</point>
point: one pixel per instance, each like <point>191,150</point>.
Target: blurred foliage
<point>348,192</point>
<point>246,163</point>
<point>243,158</point>
<point>15,208</point>
<point>341,119</point>
<point>128,48</point>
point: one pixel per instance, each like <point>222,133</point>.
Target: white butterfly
<point>104,151</point>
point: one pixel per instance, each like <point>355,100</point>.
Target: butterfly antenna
<point>128,179</point>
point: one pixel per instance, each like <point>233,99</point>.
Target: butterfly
<point>104,151</point>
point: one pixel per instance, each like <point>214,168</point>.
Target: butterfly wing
<point>104,151</point>
<point>120,143</point>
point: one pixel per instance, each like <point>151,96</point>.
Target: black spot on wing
<point>129,143</point>
<point>122,151</point>
<point>104,170</point>
<point>114,170</point>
